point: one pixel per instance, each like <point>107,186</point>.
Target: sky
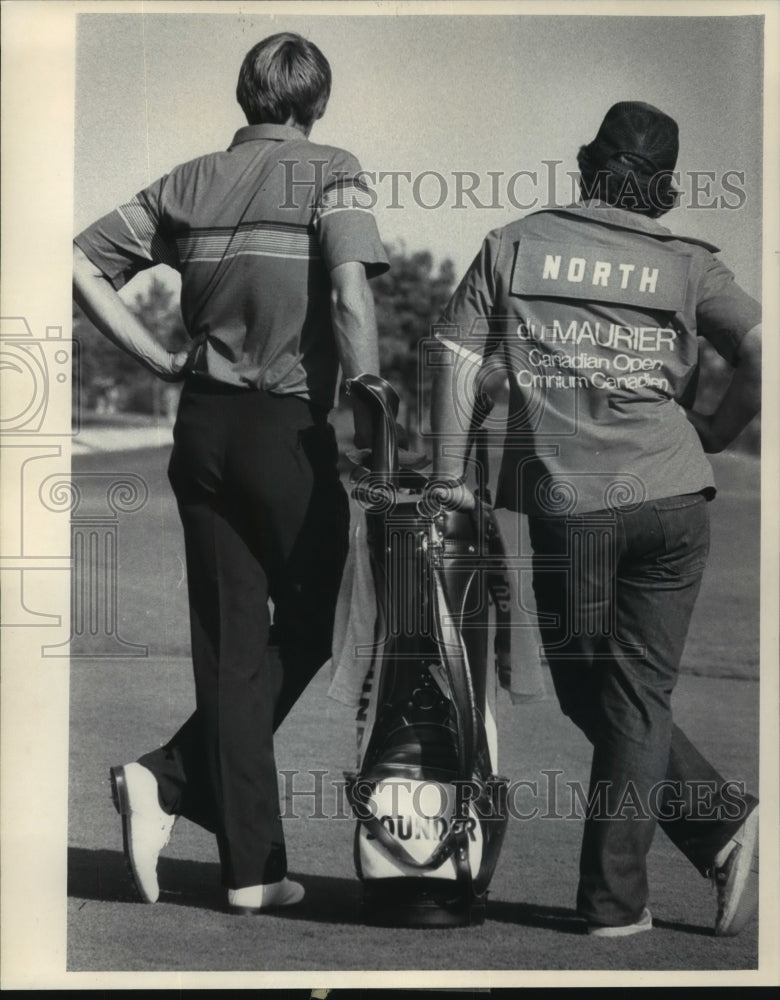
<point>436,96</point>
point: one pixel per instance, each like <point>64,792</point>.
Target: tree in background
<point>109,378</point>
<point>409,297</point>
<point>159,311</point>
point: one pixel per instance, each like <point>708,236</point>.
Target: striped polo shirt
<point>254,232</point>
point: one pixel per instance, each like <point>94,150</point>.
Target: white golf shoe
<point>735,876</point>
<point>255,898</point>
<point>146,828</point>
<point>645,923</point>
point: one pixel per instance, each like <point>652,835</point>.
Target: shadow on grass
<point>675,925</point>
<point>566,921</point>
<point>550,918</point>
<point>102,875</point>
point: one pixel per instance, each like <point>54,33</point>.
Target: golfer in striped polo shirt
<point>274,246</point>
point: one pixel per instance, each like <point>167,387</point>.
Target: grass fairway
<point>122,707</point>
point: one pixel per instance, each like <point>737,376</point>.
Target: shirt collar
<point>620,218</point>
<point>600,211</point>
<point>277,133</point>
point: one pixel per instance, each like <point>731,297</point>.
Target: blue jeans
<point>615,590</point>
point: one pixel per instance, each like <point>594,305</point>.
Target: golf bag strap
<point>449,636</point>
<point>498,582</point>
<point>464,875</point>
<point>477,441</point>
<point>454,660</point>
<point>499,587</point>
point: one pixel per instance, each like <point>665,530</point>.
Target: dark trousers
<point>264,516</point>
<point>616,590</point>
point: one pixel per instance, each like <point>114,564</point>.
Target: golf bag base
<point>419,865</point>
<point>420,902</point>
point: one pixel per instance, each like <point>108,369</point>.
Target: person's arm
<point>354,325</point>
<point>461,344</point>
<point>741,401</point>
<point>106,310</point>
<point>446,428</point>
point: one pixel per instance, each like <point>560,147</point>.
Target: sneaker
<point>645,923</point>
<point>146,828</point>
<point>254,898</point>
<point>735,877</point>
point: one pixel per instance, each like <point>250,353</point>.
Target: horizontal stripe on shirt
<point>251,239</point>
<point>344,208</point>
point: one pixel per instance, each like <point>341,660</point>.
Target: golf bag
<point>430,812</point>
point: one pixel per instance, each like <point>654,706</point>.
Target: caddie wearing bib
<point>593,312</point>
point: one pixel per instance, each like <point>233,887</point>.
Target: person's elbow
<point>749,367</point>
<point>350,295</point>
<point>348,306</point>
<point>82,265</point>
<point>84,271</point>
<point>749,355</point>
